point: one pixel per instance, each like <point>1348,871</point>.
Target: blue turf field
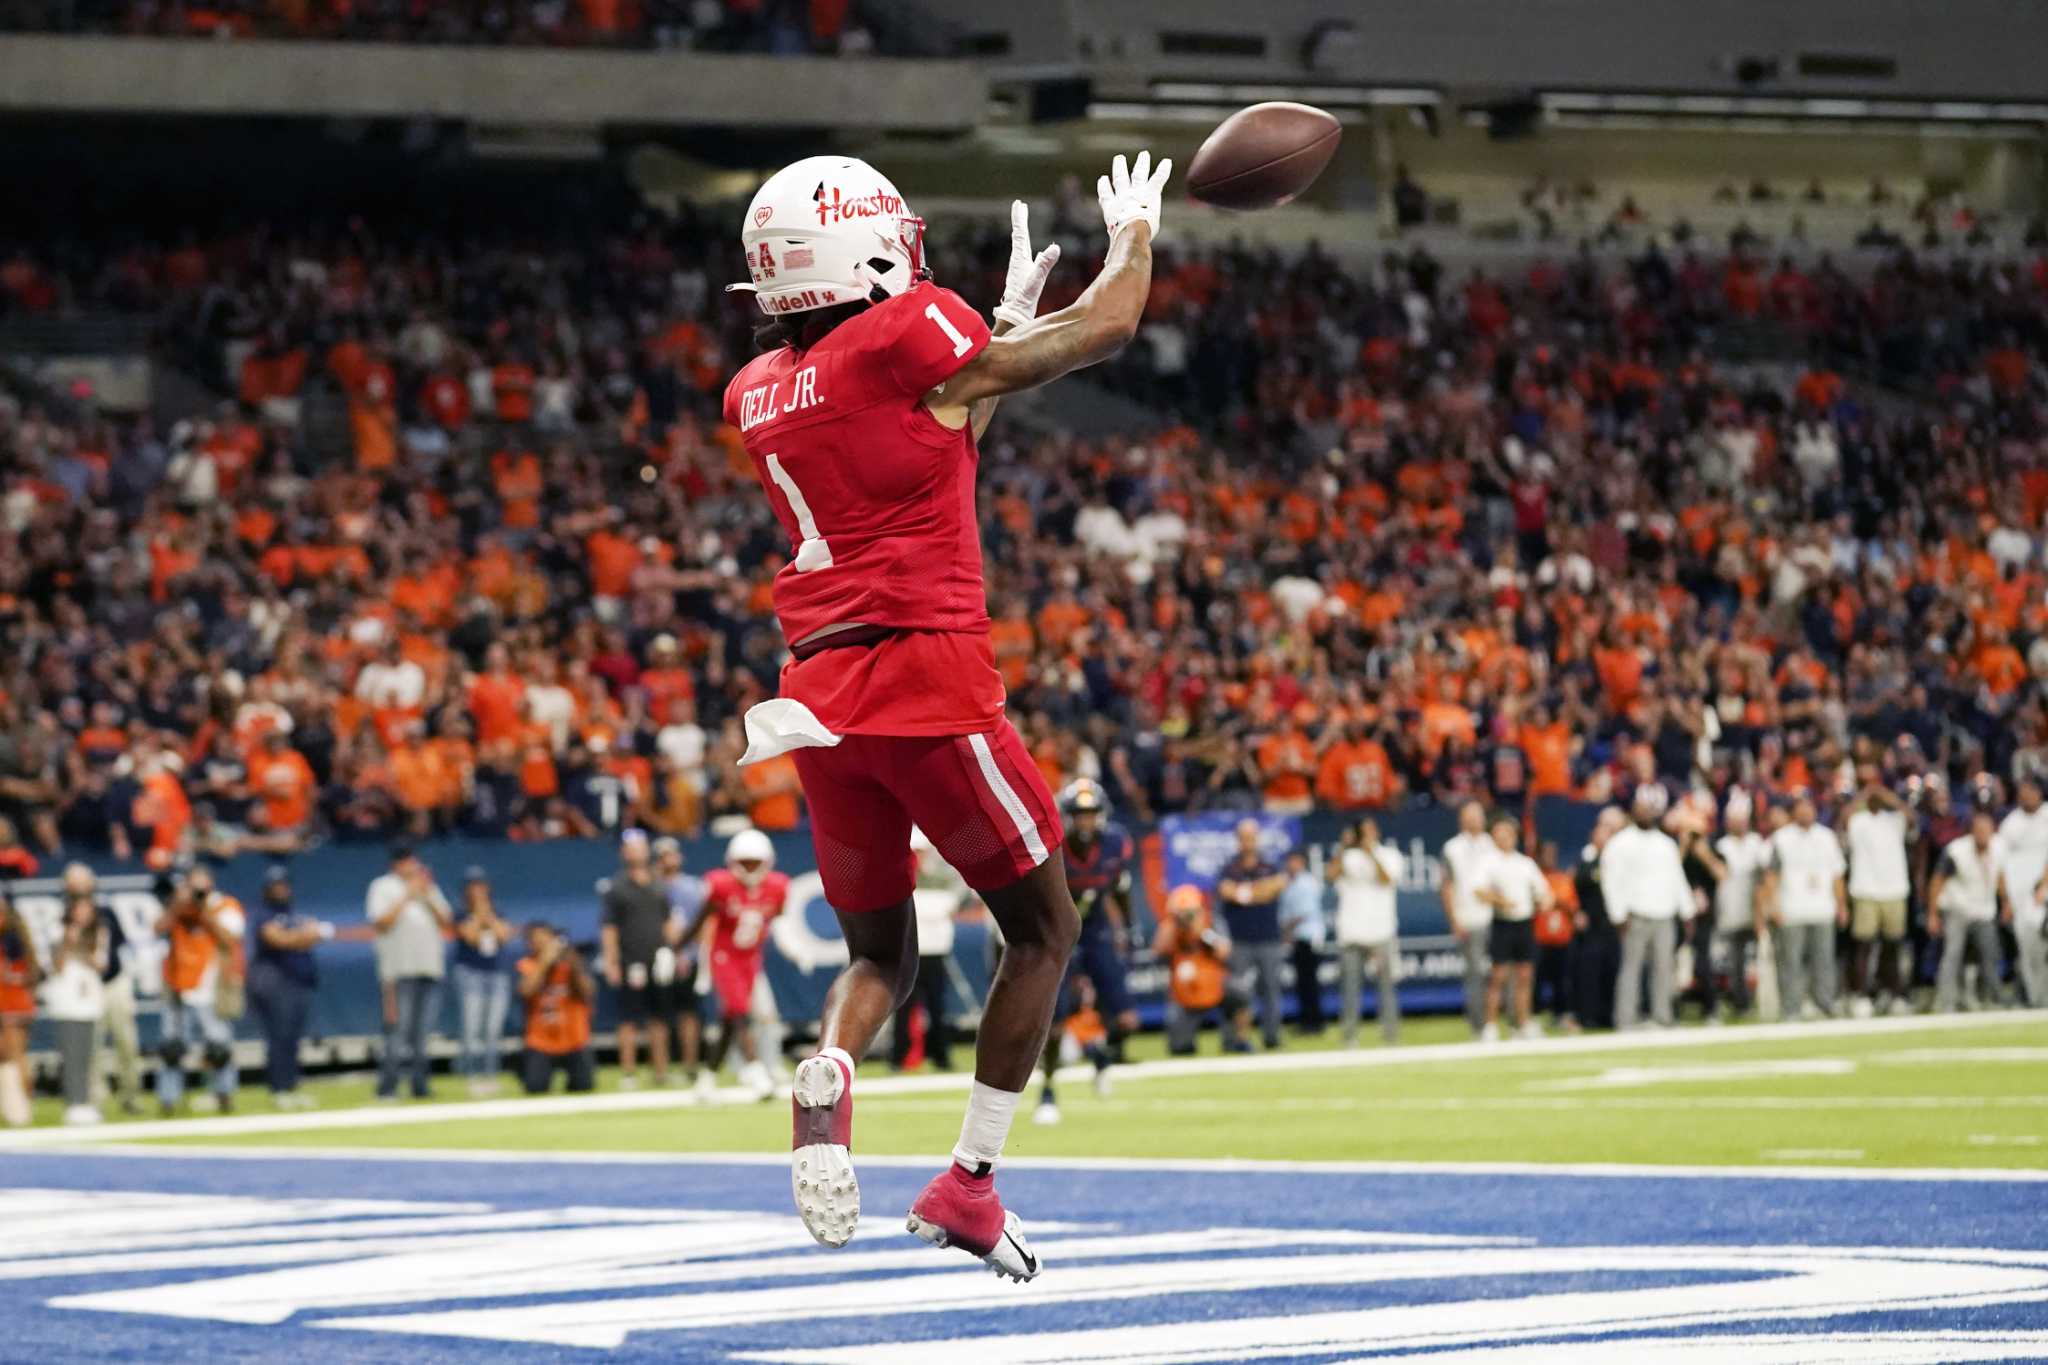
<point>312,1258</point>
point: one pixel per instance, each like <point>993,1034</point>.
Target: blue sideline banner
<point>557,882</point>
<point>1198,846</point>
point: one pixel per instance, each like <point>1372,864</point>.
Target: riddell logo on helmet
<point>836,209</point>
<point>790,303</point>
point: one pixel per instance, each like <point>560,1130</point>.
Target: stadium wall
<point>510,86</point>
<point>1983,49</point>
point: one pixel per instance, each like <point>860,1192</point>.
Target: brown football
<point>1263,155</point>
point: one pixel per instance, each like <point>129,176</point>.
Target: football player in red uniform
<point>740,900</point>
<point>861,417</point>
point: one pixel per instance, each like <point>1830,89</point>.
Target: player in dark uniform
<point>1099,854</point>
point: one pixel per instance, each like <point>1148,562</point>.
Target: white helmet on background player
<point>829,230</point>
<point>750,856</point>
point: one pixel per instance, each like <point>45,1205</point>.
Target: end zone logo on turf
<point>474,1281</point>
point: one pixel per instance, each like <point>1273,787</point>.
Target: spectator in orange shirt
<point>420,778</point>
<point>665,681</point>
<point>161,808</point>
<point>611,555</point>
<point>1287,766</point>
<point>1355,773</point>
<point>283,782</point>
<point>557,991</point>
<point>1555,924</point>
<point>1547,743</point>
<point>2000,665</point>
<point>1059,618</point>
<point>497,697</point>
<point>772,789</point>
<point>1011,638</point>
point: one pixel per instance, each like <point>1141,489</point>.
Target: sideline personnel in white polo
<point>1467,856</point>
<point>1367,874</point>
<point>1808,901</point>
<point>1965,901</point>
<point>2025,836</point>
<point>1642,877</point>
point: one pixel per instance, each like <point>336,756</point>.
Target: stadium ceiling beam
<point>528,86</point>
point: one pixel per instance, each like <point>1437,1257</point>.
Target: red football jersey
<point>877,497</point>
<point>740,913</point>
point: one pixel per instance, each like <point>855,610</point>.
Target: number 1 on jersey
<point>961,345</point>
<point>813,553</point>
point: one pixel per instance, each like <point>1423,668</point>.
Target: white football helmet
<point>750,846</point>
<point>828,230</point>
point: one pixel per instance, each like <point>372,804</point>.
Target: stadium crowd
<point>1403,537</point>
<point>465,546</point>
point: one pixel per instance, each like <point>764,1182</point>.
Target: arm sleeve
<point>934,335</point>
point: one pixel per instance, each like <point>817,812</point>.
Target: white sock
<point>839,1055</point>
<point>986,1127</point>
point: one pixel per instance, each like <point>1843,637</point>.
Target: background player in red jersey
<point>861,418</point>
<point>740,900</point>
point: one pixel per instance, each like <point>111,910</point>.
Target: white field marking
<point>1226,1165</point>
<point>1813,1154</point>
<point>2004,1140</point>
<point>1687,1073</point>
<point>1963,1056</point>
<point>1424,1054</point>
<point>1837,1348</point>
<point>752,1247</point>
<point>1774,1285</point>
<point>1560,1104</point>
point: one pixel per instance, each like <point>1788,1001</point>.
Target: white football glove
<point>1128,195</point>
<point>1026,280</point>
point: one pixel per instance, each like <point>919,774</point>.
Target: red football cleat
<point>962,1210</point>
<point>821,1158</point>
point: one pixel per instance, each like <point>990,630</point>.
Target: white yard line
<point>1812,1154</point>
<point>1555,1104</point>
<point>1187,1165</point>
<point>392,1116</point>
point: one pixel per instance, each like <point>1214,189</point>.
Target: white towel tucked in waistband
<point>781,724</point>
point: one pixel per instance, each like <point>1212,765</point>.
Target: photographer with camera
<point>204,929</point>
<point>557,991</point>
<point>1197,954</point>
